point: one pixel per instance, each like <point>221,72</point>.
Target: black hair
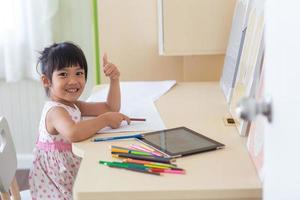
<point>60,55</point>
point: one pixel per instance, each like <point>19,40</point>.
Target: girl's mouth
<point>72,90</point>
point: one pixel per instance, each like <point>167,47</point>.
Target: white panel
<point>282,161</point>
<point>234,48</point>
<point>21,104</point>
<point>252,49</point>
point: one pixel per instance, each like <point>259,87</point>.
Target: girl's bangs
<point>68,60</point>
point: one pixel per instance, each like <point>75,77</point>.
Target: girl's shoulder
<point>50,104</point>
<point>74,112</point>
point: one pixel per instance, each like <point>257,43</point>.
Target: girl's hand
<point>110,70</point>
<point>114,119</point>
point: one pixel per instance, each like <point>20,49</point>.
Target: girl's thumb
<point>105,59</point>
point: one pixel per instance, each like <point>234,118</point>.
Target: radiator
<point>21,103</point>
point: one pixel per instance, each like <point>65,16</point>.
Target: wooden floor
<point>22,178</point>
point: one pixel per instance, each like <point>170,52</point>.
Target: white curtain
<point>25,29</point>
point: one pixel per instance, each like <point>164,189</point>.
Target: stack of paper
<point>138,102</point>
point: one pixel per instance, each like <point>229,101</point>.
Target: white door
<point>282,84</point>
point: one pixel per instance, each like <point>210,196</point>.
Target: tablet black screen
<point>180,141</point>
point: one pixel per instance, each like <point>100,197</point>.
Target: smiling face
<point>67,84</point>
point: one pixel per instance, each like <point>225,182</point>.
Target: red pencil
<point>138,119</point>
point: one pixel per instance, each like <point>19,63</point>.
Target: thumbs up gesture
<point>110,70</point>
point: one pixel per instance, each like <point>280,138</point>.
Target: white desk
<point>223,174</point>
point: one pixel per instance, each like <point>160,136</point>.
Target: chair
<point>8,166</point>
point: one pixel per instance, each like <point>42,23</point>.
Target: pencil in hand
<point>138,119</point>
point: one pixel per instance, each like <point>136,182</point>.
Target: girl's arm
<point>93,108</point>
<point>59,121</point>
<point>113,101</point>
<point>114,95</point>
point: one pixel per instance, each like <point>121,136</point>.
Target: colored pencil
<point>140,157</point>
<point>163,167</point>
<point>130,160</point>
<point>170,171</point>
<point>117,138</point>
<point>137,119</point>
<point>121,166</point>
<point>146,147</point>
<point>138,147</point>
<point>151,164</point>
<point>116,149</point>
<point>150,149</point>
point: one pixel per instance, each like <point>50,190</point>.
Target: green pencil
<point>128,167</point>
<point>116,149</point>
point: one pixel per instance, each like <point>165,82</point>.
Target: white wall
<point>21,103</point>
<point>73,22</point>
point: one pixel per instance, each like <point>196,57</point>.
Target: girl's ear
<point>46,82</point>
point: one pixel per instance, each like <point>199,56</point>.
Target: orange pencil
<point>170,171</point>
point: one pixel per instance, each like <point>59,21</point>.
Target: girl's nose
<point>73,80</point>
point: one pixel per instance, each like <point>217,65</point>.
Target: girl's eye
<point>63,74</point>
<point>80,73</point>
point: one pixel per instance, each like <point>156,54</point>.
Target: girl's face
<point>67,84</point>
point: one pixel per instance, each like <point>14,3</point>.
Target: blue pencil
<point>117,138</point>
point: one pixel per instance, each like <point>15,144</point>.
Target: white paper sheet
<point>137,90</point>
<point>138,102</point>
<point>145,110</point>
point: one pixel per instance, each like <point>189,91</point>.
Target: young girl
<point>64,74</point>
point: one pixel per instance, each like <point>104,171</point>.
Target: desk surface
<point>222,174</point>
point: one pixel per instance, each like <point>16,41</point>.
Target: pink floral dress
<point>54,166</point>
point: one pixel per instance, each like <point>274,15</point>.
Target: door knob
<point>249,108</point>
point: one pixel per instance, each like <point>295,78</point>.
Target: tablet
<point>181,141</point>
